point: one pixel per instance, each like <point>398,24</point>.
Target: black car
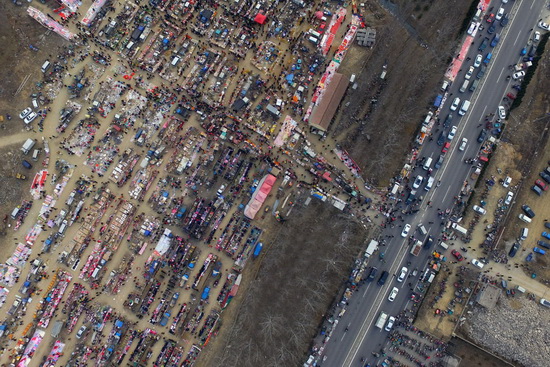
<point>383,278</point>
<point>537,190</point>
<point>448,120</point>
<point>504,21</point>
<point>484,44</point>
<point>492,28</point>
<point>372,274</point>
<point>441,138</point>
<point>482,135</point>
<point>545,176</point>
<point>514,250</point>
<point>532,51</point>
<point>547,225</point>
<point>543,244</point>
<point>439,161</point>
<point>429,242</point>
<point>530,213</point>
<point>481,71</point>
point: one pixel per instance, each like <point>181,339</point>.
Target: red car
<point>511,96</point>
<point>457,255</point>
<point>489,18</point>
<point>543,185</point>
<point>446,147</point>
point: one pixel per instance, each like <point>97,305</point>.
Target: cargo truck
<point>373,245</point>
<point>381,320</point>
<point>415,250</point>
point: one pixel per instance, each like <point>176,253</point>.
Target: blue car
<point>523,51</point>
<point>546,235</point>
<point>539,251</point>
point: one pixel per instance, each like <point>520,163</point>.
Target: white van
<point>430,183</point>
<point>14,213</point>
<point>62,228</point>
<point>524,233</point>
<point>444,86</point>
<point>45,66</point>
<point>464,108</point>
<point>431,277</point>
<point>422,229</point>
<point>313,40</point>
<point>130,45</point>
<point>525,218</point>
<point>35,154</point>
<point>427,163</point>
<point>464,86</point>
<point>444,245</point>
<point>175,60</point>
<point>520,289</point>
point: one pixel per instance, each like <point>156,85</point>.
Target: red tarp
<point>260,18</point>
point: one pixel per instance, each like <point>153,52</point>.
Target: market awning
<point>260,18</point>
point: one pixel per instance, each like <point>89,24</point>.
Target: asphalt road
<point>346,348</point>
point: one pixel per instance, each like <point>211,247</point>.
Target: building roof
<point>324,112</point>
<point>488,296</point>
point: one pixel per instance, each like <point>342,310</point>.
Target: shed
<point>260,18</point>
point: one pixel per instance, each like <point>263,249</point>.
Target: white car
<point>479,264</point>
<point>544,26</point>
<point>402,275</point>
<point>469,73</point>
<point>519,74</point>
<point>501,112</point>
<point>479,210</point>
<point>509,198</point>
<point>389,325</point>
<point>455,103</point>
<point>25,113</point>
<point>406,230</point>
<point>507,181</point>
<point>417,182</point>
<point>393,294</point>
<point>478,60</point>
<point>463,144</point>
<point>30,117</point>
<point>452,133</point>
<point>536,36</point>
<point>500,14</point>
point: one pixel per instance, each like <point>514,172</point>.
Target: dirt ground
<point>380,117</point>
<point>473,356</point>
<point>303,268</point>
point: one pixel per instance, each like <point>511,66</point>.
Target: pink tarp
<point>259,196</point>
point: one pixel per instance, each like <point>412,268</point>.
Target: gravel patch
<point>515,329</point>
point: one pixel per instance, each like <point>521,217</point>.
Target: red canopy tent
<point>260,18</point>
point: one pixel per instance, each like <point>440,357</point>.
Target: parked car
<point>536,36</point>
<point>448,120</point>
<point>479,210</point>
<point>452,133</point>
<point>372,274</point>
<point>541,184</point>
<point>81,331</point>
<point>469,73</point>
<point>545,235</point>
<point>25,113</point>
<point>402,274</point>
<point>537,190</point>
<point>492,28</point>
<point>477,61</point>
<point>463,144</point>
<point>490,18</point>
<point>481,71</point>
<point>439,162</point>
<point>446,147</point>
<point>30,118</point>
<point>418,181</point>
<point>509,198</point>
<point>482,135</point>
<point>483,44</point>
<point>507,181</point>
<point>530,213</point>
<point>543,244</point>
<point>514,250</point>
<point>544,26</point>
<point>406,230</point>
<point>501,112</point>
<point>389,325</point>
<point>393,294</point>
<point>500,14</point>
<point>477,263</point>
<point>505,20</point>
<point>455,104</point>
<point>519,74</point>
<point>539,250</point>
<point>545,176</point>
<point>441,138</point>
<point>457,255</point>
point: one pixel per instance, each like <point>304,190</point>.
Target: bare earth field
<point>305,264</point>
<point>379,119</point>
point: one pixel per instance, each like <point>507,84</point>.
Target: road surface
<point>346,348</point>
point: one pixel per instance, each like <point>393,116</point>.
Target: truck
<point>56,329</point>
<point>459,228</point>
<point>27,146</point>
<point>15,306</point>
<point>381,320</point>
<point>522,65</point>
<point>415,250</point>
<point>373,245</point>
